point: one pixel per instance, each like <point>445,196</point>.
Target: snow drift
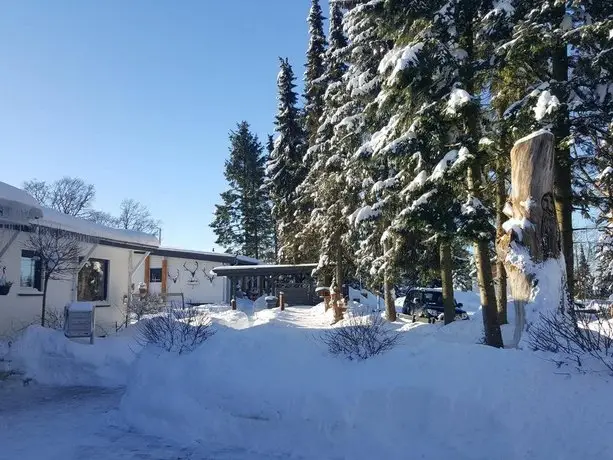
<point>275,390</point>
<point>48,357</point>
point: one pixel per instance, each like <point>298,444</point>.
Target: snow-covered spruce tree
<point>314,84</point>
<point>285,169</point>
<point>324,183</point>
<point>603,274</point>
<point>584,281</point>
<point>243,222</point>
<point>559,57</point>
<point>369,174</point>
<point>430,98</point>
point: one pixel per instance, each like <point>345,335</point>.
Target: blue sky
<point>137,97</point>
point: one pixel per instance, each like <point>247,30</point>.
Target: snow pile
<point>275,391</point>
<point>547,104</point>
<point>48,357</point>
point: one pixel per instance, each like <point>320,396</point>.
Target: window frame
<point>37,282</point>
<point>156,279</point>
<point>106,268</point>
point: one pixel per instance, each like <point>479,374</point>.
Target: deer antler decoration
<point>191,272</point>
<point>193,281</point>
<point>174,278</point>
<point>209,276</point>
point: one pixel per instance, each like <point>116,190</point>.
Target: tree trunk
<point>493,336</point>
<point>388,290</point>
<point>44,307</point>
<point>562,167</point>
<point>534,219</point>
<point>501,274</point>
<point>338,274</point>
<point>447,280</point>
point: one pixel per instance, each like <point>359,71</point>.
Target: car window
<point>432,297</point>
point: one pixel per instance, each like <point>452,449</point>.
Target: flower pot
<point>5,288</point>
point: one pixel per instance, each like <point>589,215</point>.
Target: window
<point>93,281</point>
<point>155,275</point>
<point>30,271</point>
<point>432,297</point>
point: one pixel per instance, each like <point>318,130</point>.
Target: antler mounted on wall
<point>209,276</point>
<point>174,278</point>
<point>193,281</point>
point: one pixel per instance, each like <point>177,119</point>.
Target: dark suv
<point>428,303</point>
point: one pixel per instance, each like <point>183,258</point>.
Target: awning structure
<point>264,270</point>
<point>17,206</point>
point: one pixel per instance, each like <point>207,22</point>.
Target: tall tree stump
<point>531,233</point>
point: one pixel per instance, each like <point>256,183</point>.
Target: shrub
<point>574,335</point>
<point>360,337</point>
<point>148,304</point>
<point>178,331</point>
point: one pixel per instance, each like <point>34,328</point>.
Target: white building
<point>113,263</point>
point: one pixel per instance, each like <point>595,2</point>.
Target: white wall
<point>200,291</point>
<point>18,310</point>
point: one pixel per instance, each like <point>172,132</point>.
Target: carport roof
<point>264,270</point>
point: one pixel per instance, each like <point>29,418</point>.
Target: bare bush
<point>575,335</point>
<point>178,331</point>
<point>360,337</point>
<point>149,304</point>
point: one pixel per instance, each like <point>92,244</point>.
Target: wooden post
<point>147,278</point>
<point>282,300</point>
<point>233,303</point>
<point>164,275</point>
<point>533,225</point>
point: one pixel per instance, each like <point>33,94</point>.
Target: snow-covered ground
<point>264,387</point>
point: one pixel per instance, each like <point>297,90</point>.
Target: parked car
<point>428,303</point>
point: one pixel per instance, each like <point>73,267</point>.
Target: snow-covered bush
<point>148,304</point>
<point>177,331</point>
<point>360,337</point>
<point>574,336</point>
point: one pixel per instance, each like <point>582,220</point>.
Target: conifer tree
<point>314,87</point>
<point>584,280</point>
<point>243,221</point>
<point>285,169</point>
<point>324,184</point>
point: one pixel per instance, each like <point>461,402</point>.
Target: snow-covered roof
<point>17,206</point>
<point>264,270</point>
<point>54,219</point>
<point>204,255</point>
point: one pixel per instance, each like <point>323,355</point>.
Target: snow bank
<point>276,391</point>
<point>48,357</point>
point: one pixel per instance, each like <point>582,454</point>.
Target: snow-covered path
<point>54,423</point>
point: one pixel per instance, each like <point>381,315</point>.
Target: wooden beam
<point>147,277</point>
<point>164,275</point>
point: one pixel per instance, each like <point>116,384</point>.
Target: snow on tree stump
<point>532,236</point>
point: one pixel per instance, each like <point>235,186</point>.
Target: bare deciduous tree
<point>58,253</point>
<point>69,195</point>
<point>102,218</point>
<point>135,216</point>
